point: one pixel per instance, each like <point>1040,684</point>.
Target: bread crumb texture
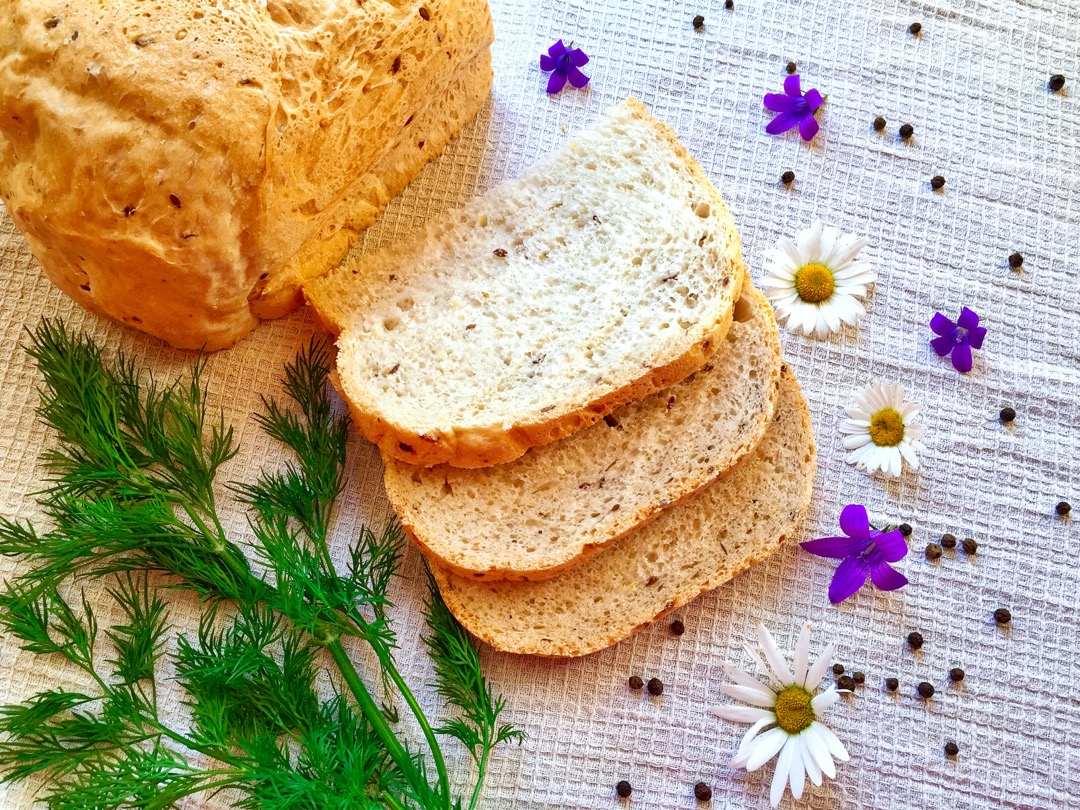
<point>607,272</point>
<point>694,548</point>
<point>564,502</point>
<point>184,166</point>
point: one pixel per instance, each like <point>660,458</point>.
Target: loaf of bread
<point>183,166</point>
<point>606,273</point>
<point>564,502</point>
<point>693,548</point>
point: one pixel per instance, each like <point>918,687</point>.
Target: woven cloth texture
<point>973,85</point>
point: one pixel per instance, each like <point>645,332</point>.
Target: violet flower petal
<point>578,58</point>
<point>782,123</point>
<point>887,578</point>
<point>556,83</point>
<point>975,337</point>
<point>891,546</point>
<point>940,325</point>
<point>791,85</point>
<point>961,358</point>
<point>813,99</point>
<point>577,78</point>
<point>547,64</point>
<point>836,548</point>
<point>808,127</point>
<point>854,521</point>
<point>850,575</point>
<point>778,102</point>
<point>968,319</point>
<point>557,50</point>
<point>943,345</point>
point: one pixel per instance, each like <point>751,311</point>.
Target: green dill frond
<point>140,641</point>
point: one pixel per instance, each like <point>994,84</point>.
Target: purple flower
<point>795,109</point>
<point>563,63</point>
<point>865,551</point>
<point>958,338</point>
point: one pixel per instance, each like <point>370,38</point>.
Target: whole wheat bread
<point>564,502</point>
<point>694,548</point>
<point>606,273</point>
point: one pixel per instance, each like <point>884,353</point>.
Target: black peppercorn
<point>915,640</point>
<point>838,669</point>
<point>845,682</point>
<point>905,529</point>
<point>915,28</point>
<point>792,67</point>
<point>1063,508</point>
<point>858,677</point>
<point>933,551</point>
<point>906,131</point>
<point>788,177</point>
<point>892,684</point>
<point>699,21</point>
<point>1016,261</point>
<point>1002,616</point>
<point>623,789</point>
<point>1007,415</point>
<point>656,687</point>
<point>951,749</point>
<point>879,123</point>
<point>926,689</point>
<point>677,628</point>
<point>948,541</point>
<point>956,674</point>
<point>970,546</point>
<point>1057,81</point>
<point>937,182</point>
<point>702,792</point>
<point>730,4</point>
<point>635,683</point>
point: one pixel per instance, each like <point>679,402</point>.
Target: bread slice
<point>702,544</point>
<point>560,504</point>
<point>607,272</point>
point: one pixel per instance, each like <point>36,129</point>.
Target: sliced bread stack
<point>582,408</point>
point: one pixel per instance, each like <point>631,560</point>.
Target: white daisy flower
<point>785,716</point>
<point>815,282</point>
<point>881,429</point>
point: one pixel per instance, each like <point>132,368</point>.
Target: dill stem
<point>481,772</point>
<point>391,801</point>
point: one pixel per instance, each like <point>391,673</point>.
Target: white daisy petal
<point>815,743</point>
<point>743,752</point>
<point>821,326</point>
<point>802,656</point>
<point>783,768</point>
<point>817,671</point>
<point>856,441</point>
<point>813,770</point>
<point>908,453</point>
<point>836,748</point>
<point>765,747</point>
<point>823,701</point>
<point>741,714</point>
<point>773,656</point>
<point>738,676</point>
<point>752,653</point>
<point>796,771</point>
<point>754,697</point>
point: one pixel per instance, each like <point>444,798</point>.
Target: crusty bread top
<point>693,548</point>
<point>607,272</point>
<point>563,502</point>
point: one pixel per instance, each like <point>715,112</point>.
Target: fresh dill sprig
<point>130,491</point>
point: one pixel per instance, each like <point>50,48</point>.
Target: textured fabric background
<point>974,86</point>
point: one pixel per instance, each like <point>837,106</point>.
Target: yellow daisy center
<point>814,283</point>
<point>794,713</point>
<point>887,428</point>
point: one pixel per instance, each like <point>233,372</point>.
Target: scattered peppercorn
<point>879,123</point>
<point>915,28</point>
<point>906,131</point>
<point>623,789</point>
<point>1063,508</point>
<point>656,687</point>
<point>951,749</point>
<point>730,4</point>
<point>933,551</point>
<point>635,683</point>
<point>915,640</point>
<point>1002,616</point>
<point>970,546</point>
<point>677,628</point>
<point>1016,261</point>
<point>788,177</point>
<point>892,684</point>
<point>838,669</point>
<point>937,182</point>
<point>845,682</point>
<point>702,792</point>
<point>792,67</point>
<point>905,529</point>
<point>926,689</point>
<point>1057,81</point>
<point>1007,415</point>
<point>956,674</point>
<point>858,677</point>
<point>699,21</point>
<point>948,541</point>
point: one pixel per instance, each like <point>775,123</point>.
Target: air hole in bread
<point>742,311</point>
<point>702,210</point>
<point>390,324</point>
